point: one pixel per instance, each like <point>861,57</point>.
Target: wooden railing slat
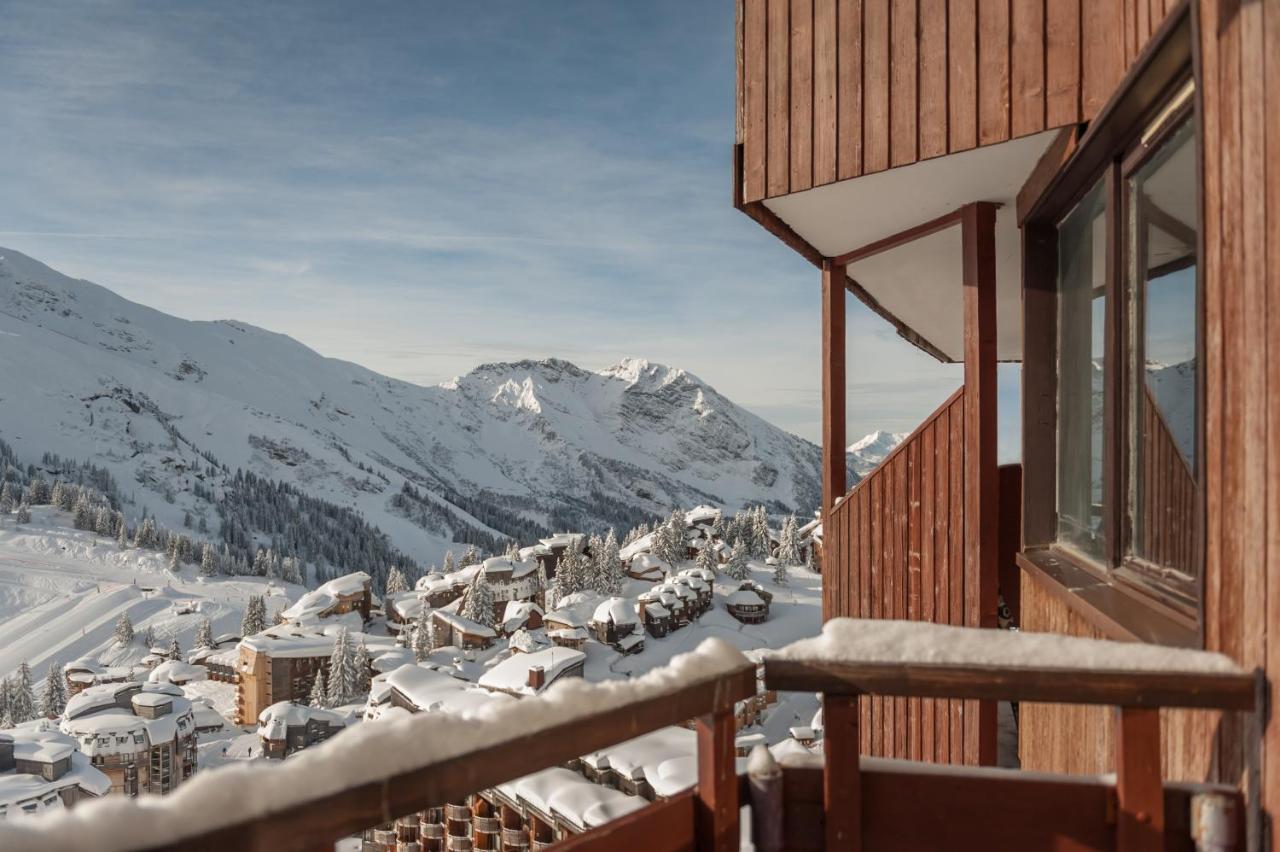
<point>1139,689</point>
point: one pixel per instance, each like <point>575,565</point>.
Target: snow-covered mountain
<point>869,450</point>
<point>172,408</point>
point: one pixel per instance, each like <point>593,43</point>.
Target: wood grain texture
<point>903,81</point>
<point>875,85</point>
<point>962,81</point>
<point>755,117</point>
<point>825,66</point>
<point>778,137</point>
<point>994,96</point>
<point>716,799</point>
<point>1026,67</point>
<point>849,123</point>
<point>802,93</point>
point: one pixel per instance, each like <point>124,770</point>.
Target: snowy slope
<point>155,399</point>
<point>869,450</point>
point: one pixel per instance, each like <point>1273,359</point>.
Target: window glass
<point>1163,322</point>
<point>1082,302</point>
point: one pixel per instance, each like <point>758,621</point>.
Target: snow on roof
<point>561,792</point>
<point>512,674</point>
<point>518,612</point>
<point>501,564</point>
<point>640,546</point>
<point>626,643</point>
<point>365,754</point>
<point>564,616</point>
<point>701,513</point>
<point>176,671</point>
<point>314,603</point>
<point>40,742</point>
<point>745,597</point>
<point>921,643</point>
<point>289,714</point>
<point>639,758</point>
<point>570,633</point>
<point>656,610</point>
<point>289,640</point>
<point>802,732</point>
<point>790,747</point>
<point>461,622</point>
<point>151,699</point>
<point>565,540</point>
<point>617,610</point>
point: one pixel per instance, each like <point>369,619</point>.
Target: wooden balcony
<point>836,801</point>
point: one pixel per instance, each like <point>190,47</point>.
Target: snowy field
<point>62,589</point>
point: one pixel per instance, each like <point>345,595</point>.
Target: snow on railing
<point>439,756</point>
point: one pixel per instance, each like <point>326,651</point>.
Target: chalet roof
<point>313,603</point>
<point>461,622</point>
<point>745,597</point>
<point>40,742</point>
<point>561,792</point>
<point>291,714</point>
<point>512,674</point>
<point>500,566</point>
<point>617,610</point>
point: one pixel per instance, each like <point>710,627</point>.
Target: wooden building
<point>1091,189</point>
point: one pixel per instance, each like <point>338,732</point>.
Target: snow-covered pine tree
<point>342,671</point>
<point>513,550</point>
<point>24,514</point>
<point>291,570</point>
<point>760,547</point>
<point>277,618</point>
<point>568,574</point>
<point>122,536</point>
<point>102,522</point>
<point>208,560</point>
<point>55,494</point>
<point>716,532</point>
<point>124,630</point>
<point>788,542</point>
<point>670,543</point>
<point>53,698</point>
<point>609,565</point>
<point>780,572</point>
<point>204,635</point>
<point>364,669</point>
<point>37,492</point>
<point>6,497</point>
<point>479,604</point>
<point>593,575</point>
<point>319,692</point>
<point>471,556</point>
<point>148,637</point>
<point>146,534</point>
<point>545,587</point>
<point>22,699</point>
<point>422,634</point>
<point>255,616</point>
<point>175,650</point>
<point>706,556</point>
<point>736,567</point>
<point>396,582</point>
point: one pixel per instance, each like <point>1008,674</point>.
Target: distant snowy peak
<point>869,450</point>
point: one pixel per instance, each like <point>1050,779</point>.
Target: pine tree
<point>706,557</point>
<point>145,537</point>
<point>37,492</point>
<point>6,498</point>
<point>422,644</point>
<point>736,567</point>
<point>593,577</point>
<point>24,514</point>
<point>22,699</point>
<point>609,565</point>
<point>780,572</point>
<point>54,697</point>
<point>291,570</point>
<point>175,650</point>
<point>364,669</point>
<point>255,616</point>
<point>788,542</point>
<point>319,692</point>
<point>124,630</point>
<point>122,536</point>
<point>670,540</point>
<point>479,603</point>
<point>342,671</point>
<point>545,587</point>
<point>204,635</point>
<point>396,582</point>
<point>760,546</point>
<point>471,557</point>
<point>148,637</point>
<point>449,566</point>
<point>102,522</point>
<point>208,561</point>
<point>568,574</point>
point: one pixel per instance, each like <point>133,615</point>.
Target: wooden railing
<point>219,811</point>
<point>1168,494</point>
<point>891,806</point>
<point>895,548</point>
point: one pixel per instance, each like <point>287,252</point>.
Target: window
<point>1127,429</point>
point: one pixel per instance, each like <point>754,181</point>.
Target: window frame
<point>1117,594</point>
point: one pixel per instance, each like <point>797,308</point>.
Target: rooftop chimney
<point>537,677</point>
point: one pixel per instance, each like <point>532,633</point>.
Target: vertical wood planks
<point>903,71</point>
<point>842,776</point>
<point>933,78</point>
<point>993,71</point>
<point>962,94</point>
<point>824,91</point>
<point>914,570</point>
<point>754,103</point>
<point>928,529</point>
<point>957,586</point>
<point>875,85</point>
<point>1101,52</point>
<point>942,570</point>
<point>833,400</point>
<point>779,88</point>
<point>1062,63</point>
<point>848,88</point>
<point>1026,64</point>
<point>801,95</point>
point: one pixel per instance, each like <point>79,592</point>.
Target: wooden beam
<point>716,806</point>
<point>511,754</point>
<point>842,788</point>
<point>1046,169</point>
<point>893,241</point>
<point>661,827</point>
<point>1139,787</point>
<point>1055,685</point>
<point>833,404</point>
<point>981,473</point>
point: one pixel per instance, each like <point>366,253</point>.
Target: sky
<point>421,187</point>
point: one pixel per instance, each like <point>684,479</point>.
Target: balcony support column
<point>833,409</point>
<point>981,473</point>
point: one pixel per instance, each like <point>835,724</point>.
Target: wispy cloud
<point>423,186</point>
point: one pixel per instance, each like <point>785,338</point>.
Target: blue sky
<point>424,186</point>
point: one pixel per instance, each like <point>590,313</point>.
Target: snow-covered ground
<point>62,590</point>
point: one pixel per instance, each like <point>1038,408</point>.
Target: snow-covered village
<point>679,426</point>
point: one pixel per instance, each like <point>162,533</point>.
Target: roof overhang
<point>917,285</point>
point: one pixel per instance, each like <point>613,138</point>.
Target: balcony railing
<point>377,773</point>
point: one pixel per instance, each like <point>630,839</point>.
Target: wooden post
<point>981,476</point>
<point>842,775</point>
<point>833,400</point>
<point>716,815</point>
<point>1139,785</point>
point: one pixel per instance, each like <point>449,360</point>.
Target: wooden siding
<point>1168,520</point>
<point>900,536</point>
<point>834,89</point>
<point>1239,101</point>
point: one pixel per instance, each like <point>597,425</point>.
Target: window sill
<point>1115,610</point>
